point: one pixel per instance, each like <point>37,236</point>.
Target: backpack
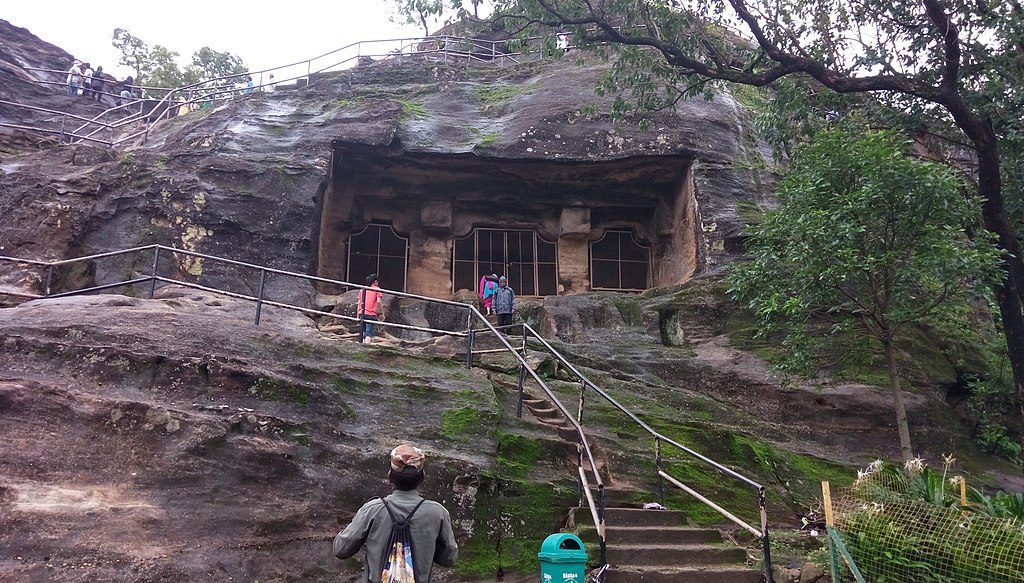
<point>397,563</point>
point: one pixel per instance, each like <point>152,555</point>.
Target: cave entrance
<point>524,257</point>
<point>432,224</point>
<point>379,249</point>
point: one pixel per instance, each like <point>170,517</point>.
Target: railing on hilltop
<point>302,73</point>
<point>520,352</point>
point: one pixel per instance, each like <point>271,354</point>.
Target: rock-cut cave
<point>432,224</point>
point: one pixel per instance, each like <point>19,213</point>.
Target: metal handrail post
<point>601,530</point>
<point>362,315</point>
<point>583,397</point>
<point>469,340</point>
<point>764,535</point>
<point>63,119</point>
<point>579,469</point>
<point>49,279</point>
<point>522,383</point>
<point>259,295</point>
<point>579,420</point>
<point>152,272</point>
<point>658,463</point>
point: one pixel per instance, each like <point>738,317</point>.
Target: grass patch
<point>456,423</point>
<point>484,139</point>
<point>494,94</point>
<point>517,455</point>
<point>268,389</point>
<point>512,518</point>
<point>492,97</point>
<point>412,110</point>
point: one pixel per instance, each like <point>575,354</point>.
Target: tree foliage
<point>955,62</point>
<point>159,66</point>
<point>210,64</point>
<point>134,51</point>
<point>428,13</point>
<point>866,238</point>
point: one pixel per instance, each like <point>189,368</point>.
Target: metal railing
<point>472,315</point>
<point>520,351</point>
<point>210,90</point>
<point>660,441</point>
<point>63,132</point>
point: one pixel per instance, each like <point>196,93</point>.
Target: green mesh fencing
<point>903,528</point>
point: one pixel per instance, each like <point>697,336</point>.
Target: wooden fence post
<point>826,496</point>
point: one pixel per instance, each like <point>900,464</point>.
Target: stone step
<point>545,412</point>
<point>710,574</point>
<point>653,535</point>
<point>552,421</point>
<point>634,517</point>
<point>549,417</point>
<point>674,555</point>
<point>568,433</point>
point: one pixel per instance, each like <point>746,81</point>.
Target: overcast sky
<point>292,31</point>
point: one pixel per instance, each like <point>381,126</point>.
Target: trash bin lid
<point>563,547</point>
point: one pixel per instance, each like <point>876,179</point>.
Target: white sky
<point>263,37</point>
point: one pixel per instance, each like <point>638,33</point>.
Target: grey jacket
<point>432,537</point>
<point>504,300</point>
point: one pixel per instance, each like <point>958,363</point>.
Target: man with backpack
<point>403,533</point>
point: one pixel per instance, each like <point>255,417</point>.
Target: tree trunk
<point>897,401</point>
<point>1010,293</point>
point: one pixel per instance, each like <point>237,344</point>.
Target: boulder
<point>569,318</point>
<point>811,573</point>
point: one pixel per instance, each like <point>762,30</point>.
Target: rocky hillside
<point>172,440</point>
<point>246,179</point>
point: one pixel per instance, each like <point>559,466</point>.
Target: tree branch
<point>936,12</point>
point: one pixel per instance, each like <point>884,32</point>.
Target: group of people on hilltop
<point>84,81</point>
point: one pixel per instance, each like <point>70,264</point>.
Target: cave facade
<point>434,224</point>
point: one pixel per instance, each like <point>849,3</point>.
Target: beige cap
<point>407,456</point>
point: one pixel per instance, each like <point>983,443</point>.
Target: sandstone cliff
<point>171,439</point>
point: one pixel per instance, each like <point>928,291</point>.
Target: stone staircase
<point>657,545</point>
<point>648,545</point>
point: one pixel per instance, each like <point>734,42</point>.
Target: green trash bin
<point>563,558</point>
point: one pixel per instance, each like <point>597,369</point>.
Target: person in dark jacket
<point>98,83</point>
<point>504,302</point>
<point>433,541</point>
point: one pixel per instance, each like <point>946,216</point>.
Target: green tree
<point>866,239</point>
<point>159,66</point>
<point>134,51</point>
<point>210,64</point>
<point>161,69</point>
<point>420,12</point>
<point>958,60</point>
